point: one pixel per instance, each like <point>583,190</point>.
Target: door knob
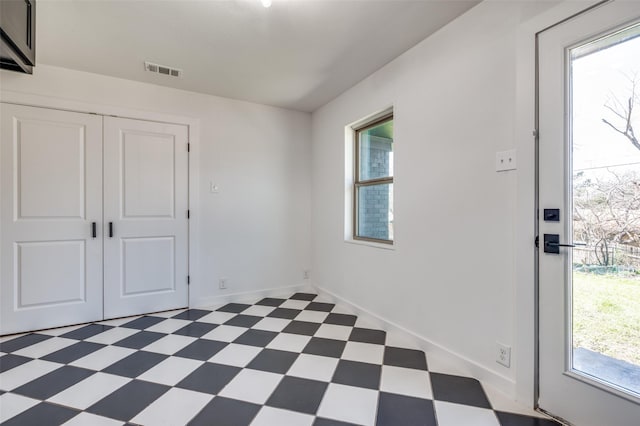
<point>552,243</point>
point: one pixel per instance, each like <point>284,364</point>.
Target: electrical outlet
<point>222,283</point>
<point>306,274</point>
<point>503,354</point>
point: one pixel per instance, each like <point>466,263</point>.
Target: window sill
<point>371,244</point>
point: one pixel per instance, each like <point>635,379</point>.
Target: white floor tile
<point>84,419</point>
<point>236,355</point>
<point>112,336</point>
<point>102,358</point>
<point>171,370</point>
<point>349,404</point>
<point>312,316</point>
<point>61,330</point>
<point>269,416</point>
<point>89,391</point>
<point>445,366</point>
<point>258,310</point>
<point>401,340</point>
<point>176,407</point>
<point>502,402</point>
<point>217,317</point>
<point>366,323</point>
<point>25,373</point>
<point>168,314</point>
<point>289,342</point>
<point>11,405</point>
<point>294,304</point>
<point>10,337</point>
<point>406,381</point>
<point>169,344</point>
<point>271,324</point>
<point>45,347</point>
<point>119,321</point>
<point>449,414</point>
<point>168,326</point>
<point>313,367</point>
<point>331,331</point>
<point>252,385</point>
<point>363,352</point>
<point>225,333</point>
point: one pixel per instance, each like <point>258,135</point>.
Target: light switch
<point>505,160</point>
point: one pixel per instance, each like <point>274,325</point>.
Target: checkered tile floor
<point>297,361</point>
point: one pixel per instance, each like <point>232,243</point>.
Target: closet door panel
<point>146,227</point>
<point>51,182</point>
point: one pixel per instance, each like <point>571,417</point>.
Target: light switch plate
<point>505,160</point>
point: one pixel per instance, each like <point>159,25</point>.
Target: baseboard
<point>249,296</point>
<point>457,362</point>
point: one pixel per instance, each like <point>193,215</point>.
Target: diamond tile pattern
<point>291,361</point>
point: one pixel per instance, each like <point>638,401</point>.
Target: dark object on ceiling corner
<point>18,35</point>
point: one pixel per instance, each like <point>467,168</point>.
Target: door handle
<point>110,229</point>
<point>94,230</point>
<point>552,243</point>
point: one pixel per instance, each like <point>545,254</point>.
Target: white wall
<point>256,230</point>
<point>452,277</point>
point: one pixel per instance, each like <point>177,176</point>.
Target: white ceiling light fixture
<point>266,3</point>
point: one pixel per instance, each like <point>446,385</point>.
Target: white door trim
<point>193,124</point>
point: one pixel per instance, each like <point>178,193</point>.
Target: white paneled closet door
<point>145,216</point>
<point>51,183</point>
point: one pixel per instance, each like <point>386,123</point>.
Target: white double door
<point>93,217</point>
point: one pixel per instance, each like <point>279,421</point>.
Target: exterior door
<point>589,197</point>
<point>145,216</point>
<point>51,183</point>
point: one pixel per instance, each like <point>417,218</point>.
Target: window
<point>373,181</point>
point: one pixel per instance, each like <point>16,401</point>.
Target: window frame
<point>357,183</point>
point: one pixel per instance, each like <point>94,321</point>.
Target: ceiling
<point>297,54</point>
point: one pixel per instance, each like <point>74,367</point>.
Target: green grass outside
<point>606,315</point>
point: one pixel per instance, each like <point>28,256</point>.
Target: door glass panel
<point>605,112</point>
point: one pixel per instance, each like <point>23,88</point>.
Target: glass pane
<point>375,211</point>
<point>376,151</point>
<point>606,209</point>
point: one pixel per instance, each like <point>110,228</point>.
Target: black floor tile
<point>270,301</point>
<point>303,296</point>
<point>226,412</point>
<point>285,313</point>
<point>360,374</point>
<point>87,331</point>
<point>246,321</point>
<point>139,340</point>
<point>192,314</point>
<point>274,361</point>
<point>328,422</point>
<point>42,414</point>
<point>195,329</point>
<point>302,327</point>
<point>71,353</point>
<point>201,349</point>
<point>54,382</point>
<point>22,342</point>
<point>126,402</point>
<point>135,364</point>
<point>298,394</point>
<point>322,307</point>
<point>234,308</point>
<point>325,347</point>
<point>259,338</point>
<point>9,361</point>
<point>341,319</point>
<point>511,419</point>
<point>367,335</point>
<point>209,378</point>
<point>458,389</point>
<point>143,322</point>
<point>394,410</point>
<point>407,358</point>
